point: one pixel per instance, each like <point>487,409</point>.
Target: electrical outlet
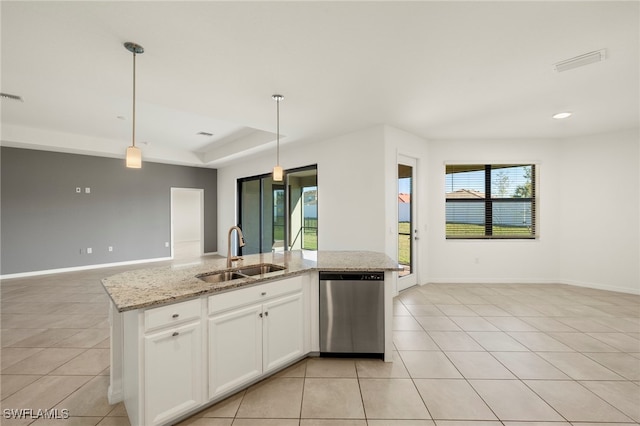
<point>89,250</point>
<point>87,190</point>
<point>110,248</point>
<point>166,244</point>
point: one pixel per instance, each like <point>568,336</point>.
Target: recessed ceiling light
<point>11,97</point>
<point>562,115</point>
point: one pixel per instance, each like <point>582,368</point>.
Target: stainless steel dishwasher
<point>352,313</point>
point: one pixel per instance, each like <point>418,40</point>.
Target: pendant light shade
<point>133,158</point>
<point>278,173</point>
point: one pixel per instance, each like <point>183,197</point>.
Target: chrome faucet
<point>230,258</point>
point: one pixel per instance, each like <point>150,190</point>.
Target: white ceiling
<point>440,70</point>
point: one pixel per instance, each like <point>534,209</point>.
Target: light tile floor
<point>481,355</point>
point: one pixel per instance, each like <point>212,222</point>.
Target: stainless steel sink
<point>260,269</point>
<point>240,272</point>
<point>219,277</point>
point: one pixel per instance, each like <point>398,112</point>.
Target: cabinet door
<point>283,333</point>
<point>235,348</point>
<point>173,372</point>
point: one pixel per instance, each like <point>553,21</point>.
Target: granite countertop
<point>144,288</point>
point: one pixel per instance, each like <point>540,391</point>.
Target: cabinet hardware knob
<point>175,333</point>
<point>260,314</point>
<point>264,293</point>
<point>175,315</point>
<point>266,314</point>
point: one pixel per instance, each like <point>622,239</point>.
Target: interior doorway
<point>187,223</point>
<point>407,223</point>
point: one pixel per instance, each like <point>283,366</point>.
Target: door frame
<point>410,279</point>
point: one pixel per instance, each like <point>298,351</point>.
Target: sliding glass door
<point>276,216</point>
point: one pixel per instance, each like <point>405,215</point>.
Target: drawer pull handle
<point>264,293</point>
<point>175,333</point>
<point>175,315</point>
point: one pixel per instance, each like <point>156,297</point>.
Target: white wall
<point>357,205</point>
<point>600,210</point>
<point>351,203</point>
<point>498,261</point>
<point>588,221</point>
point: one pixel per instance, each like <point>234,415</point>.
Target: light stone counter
<point>164,285</point>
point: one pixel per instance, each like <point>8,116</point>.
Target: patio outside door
<point>407,226</point>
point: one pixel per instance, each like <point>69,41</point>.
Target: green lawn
<point>404,243</point>
<point>466,229</point>
<point>310,241</point>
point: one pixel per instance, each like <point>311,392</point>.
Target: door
<point>407,223</point>
<point>172,360</point>
<point>276,216</point>
<point>187,223</point>
<point>283,339</point>
<point>235,348</point>
<point>302,186</point>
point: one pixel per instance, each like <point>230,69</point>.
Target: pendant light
<point>134,155</point>
<point>277,170</point>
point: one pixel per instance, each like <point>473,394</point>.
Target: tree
<point>524,191</point>
<point>501,184</point>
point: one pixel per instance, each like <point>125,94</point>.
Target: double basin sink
<point>240,272</point>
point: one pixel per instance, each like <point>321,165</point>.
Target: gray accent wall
<point>46,224</point>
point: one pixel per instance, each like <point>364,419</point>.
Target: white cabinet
<point>173,372</point>
<point>283,334</point>
<point>163,362</point>
<point>235,348</point>
<point>232,339</point>
<point>248,341</point>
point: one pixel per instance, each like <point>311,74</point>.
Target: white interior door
<point>407,222</point>
<point>187,222</point>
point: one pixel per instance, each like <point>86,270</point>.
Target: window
<point>490,201</point>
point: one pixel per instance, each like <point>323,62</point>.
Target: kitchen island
<point>185,337</point>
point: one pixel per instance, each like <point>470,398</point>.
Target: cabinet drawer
<point>172,314</point>
<point>253,294</point>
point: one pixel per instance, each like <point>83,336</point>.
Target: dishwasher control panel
<point>352,276</point>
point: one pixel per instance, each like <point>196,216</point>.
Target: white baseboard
<point>81,268</point>
<point>114,396</point>
<point>535,281</point>
<point>601,286</point>
<point>492,281</point>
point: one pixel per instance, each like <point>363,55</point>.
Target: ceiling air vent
<point>204,134</point>
<point>582,60</point>
<point>11,97</point>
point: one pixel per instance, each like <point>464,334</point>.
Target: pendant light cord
<point>133,132</point>
<point>278,132</point>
